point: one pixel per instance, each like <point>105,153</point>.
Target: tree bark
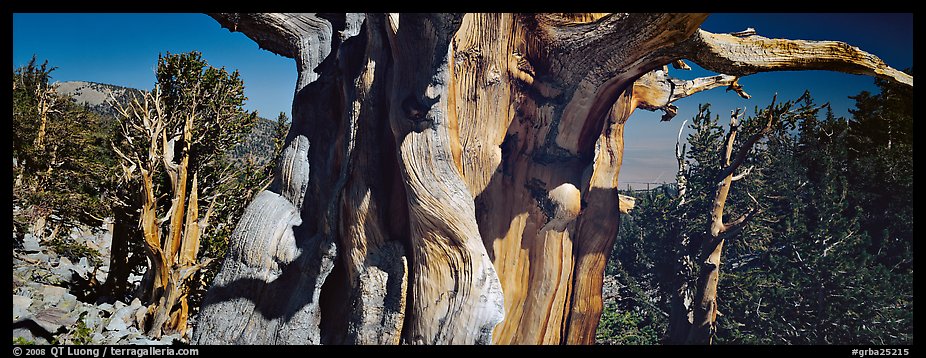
<point>172,257</point>
<point>124,231</point>
<point>704,311</point>
<point>448,178</point>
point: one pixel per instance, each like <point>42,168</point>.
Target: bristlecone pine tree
<point>170,149</point>
<point>452,178</point>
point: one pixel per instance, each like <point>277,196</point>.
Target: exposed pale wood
<point>484,212</point>
<point>266,256</point>
<point>455,293</point>
<point>744,55</point>
<point>376,284</point>
<point>626,203</point>
<point>704,322</point>
<point>172,257</point>
<point>596,227</point>
<point>656,90</point>
<point>375,264</point>
<point>303,37</point>
<point>191,231</point>
<point>594,63</point>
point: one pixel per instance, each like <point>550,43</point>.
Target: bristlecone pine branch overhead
<point>452,179</point>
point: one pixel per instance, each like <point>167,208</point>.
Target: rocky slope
<point>46,306</point>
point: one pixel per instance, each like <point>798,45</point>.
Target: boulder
<point>51,295</point>
<point>123,317</point>
<point>31,244</point>
<point>93,319</point>
<point>68,302</point>
<point>140,315</point>
<point>38,256</point>
<point>117,325</point>
<point>52,319</point>
<point>21,306</point>
<point>106,307</point>
<point>64,268</point>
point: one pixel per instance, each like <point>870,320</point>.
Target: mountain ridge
<point>99,99</point>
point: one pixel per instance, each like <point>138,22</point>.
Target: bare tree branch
<point>745,53</point>
<point>681,177</point>
<point>742,175</point>
<point>750,142</point>
<point>735,226</point>
<point>275,32</point>
<point>303,37</point>
<point>656,90</point>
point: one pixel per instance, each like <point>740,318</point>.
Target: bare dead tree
<point>171,242</point>
<point>704,311</point>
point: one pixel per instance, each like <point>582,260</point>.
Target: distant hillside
<point>99,97</point>
<point>259,143</point>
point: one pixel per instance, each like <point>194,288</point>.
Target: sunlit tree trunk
<point>452,178</point>
<point>171,243</point>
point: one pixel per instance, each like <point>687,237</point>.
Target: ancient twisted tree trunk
<point>453,178</point>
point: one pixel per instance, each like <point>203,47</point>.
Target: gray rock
<point>24,291</point>
<point>53,318</point>
<point>135,303</point>
<point>116,324</point>
<point>102,273</point>
<point>31,244</point>
<point>115,340</point>
<point>68,302</point>
<point>122,314</point>
<point>82,267</point>
<point>26,335</point>
<point>63,270</point>
<point>119,304</point>
<point>106,307</point>
<point>93,319</point>
<point>124,337</point>
<point>41,257</point>
<point>140,316</point>
<point>122,318</point>
<point>168,339</point>
<point>52,294</point>
<point>20,306</point>
<point>23,333</point>
<point>92,244</point>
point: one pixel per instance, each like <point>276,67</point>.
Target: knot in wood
<point>417,112</point>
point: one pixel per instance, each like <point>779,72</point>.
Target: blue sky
<point>122,49</point>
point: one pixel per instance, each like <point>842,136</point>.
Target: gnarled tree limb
<point>746,54</point>
<point>303,37</point>
<point>656,90</point>
<point>445,138</point>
